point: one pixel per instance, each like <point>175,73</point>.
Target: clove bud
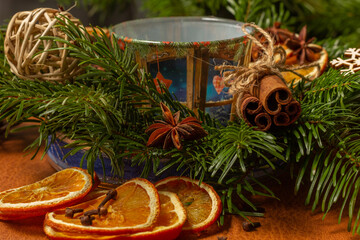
<point>109,195</point>
<point>248,226</point>
<point>86,220</point>
<point>91,212</point>
<point>69,212</point>
<point>102,211</point>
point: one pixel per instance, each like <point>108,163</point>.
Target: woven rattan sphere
<point>27,54</point>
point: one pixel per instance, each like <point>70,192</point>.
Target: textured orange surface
<point>287,219</point>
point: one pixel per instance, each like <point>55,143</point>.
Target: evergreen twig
<point>106,110</point>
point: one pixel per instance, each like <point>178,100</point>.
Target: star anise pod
<point>169,132</point>
<point>302,49</point>
<point>279,34</point>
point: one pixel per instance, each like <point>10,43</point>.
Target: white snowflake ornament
<point>352,62</point>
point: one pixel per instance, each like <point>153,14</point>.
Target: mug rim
<point>186,44</point>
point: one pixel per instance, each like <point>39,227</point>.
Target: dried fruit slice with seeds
<point>63,188</point>
<point>136,208</point>
<point>168,226</point>
<point>202,203</point>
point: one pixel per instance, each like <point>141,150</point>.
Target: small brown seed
<point>222,238</point>
<point>248,226</point>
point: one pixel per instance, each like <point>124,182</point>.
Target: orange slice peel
<point>201,202</point>
<point>61,189</point>
<point>168,226</point>
<point>135,209</point>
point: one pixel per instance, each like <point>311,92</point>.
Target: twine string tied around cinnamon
<point>240,78</point>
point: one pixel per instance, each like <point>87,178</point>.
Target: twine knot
<point>240,78</point>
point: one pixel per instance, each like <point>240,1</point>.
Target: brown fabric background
<point>285,219</point>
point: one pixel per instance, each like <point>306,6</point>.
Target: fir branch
<point>234,185</point>
<point>239,143</point>
<point>97,110</point>
<point>263,13</point>
<point>105,113</point>
<point>325,143</point>
<point>165,8</point>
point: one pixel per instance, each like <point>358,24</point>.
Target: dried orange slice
<point>171,220</point>
<point>168,226</point>
<point>136,208</point>
<point>202,203</point>
<point>310,72</point>
<point>56,191</point>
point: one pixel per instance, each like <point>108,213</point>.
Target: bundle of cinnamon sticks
<point>269,103</point>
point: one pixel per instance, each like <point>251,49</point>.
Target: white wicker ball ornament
<point>27,54</point>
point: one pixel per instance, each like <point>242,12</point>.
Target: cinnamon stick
<point>272,93</point>
<point>250,106</point>
<point>263,121</point>
<point>281,119</point>
<point>294,110</point>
